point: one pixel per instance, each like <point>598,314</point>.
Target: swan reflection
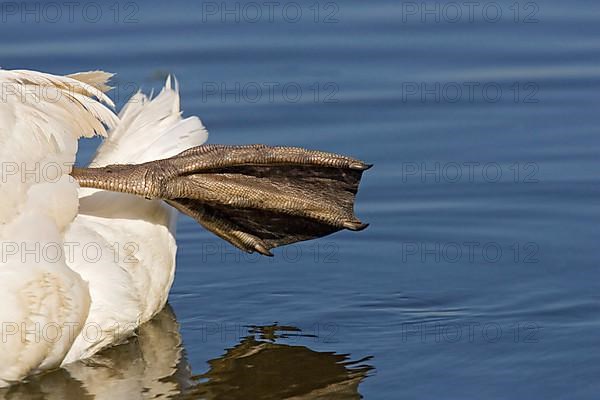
<point>153,365</point>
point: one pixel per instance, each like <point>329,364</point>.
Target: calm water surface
<point>478,277</point>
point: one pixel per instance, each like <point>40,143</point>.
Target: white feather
<point>41,118</point>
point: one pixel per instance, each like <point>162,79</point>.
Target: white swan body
<point>118,251</point>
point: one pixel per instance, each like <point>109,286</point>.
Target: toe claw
<point>355,225</point>
<point>263,250</point>
<point>361,166</point>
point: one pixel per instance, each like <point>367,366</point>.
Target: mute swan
<point>88,254</point>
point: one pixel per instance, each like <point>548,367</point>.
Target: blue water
<point>478,277</point>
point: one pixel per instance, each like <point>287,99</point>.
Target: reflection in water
<point>265,370</point>
<point>153,365</point>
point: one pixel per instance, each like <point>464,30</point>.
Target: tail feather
<point>151,129</point>
<point>97,79</point>
<point>81,83</point>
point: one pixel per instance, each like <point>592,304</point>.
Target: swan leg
<point>256,197</point>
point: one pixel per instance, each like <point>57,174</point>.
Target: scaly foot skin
<point>256,197</point>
